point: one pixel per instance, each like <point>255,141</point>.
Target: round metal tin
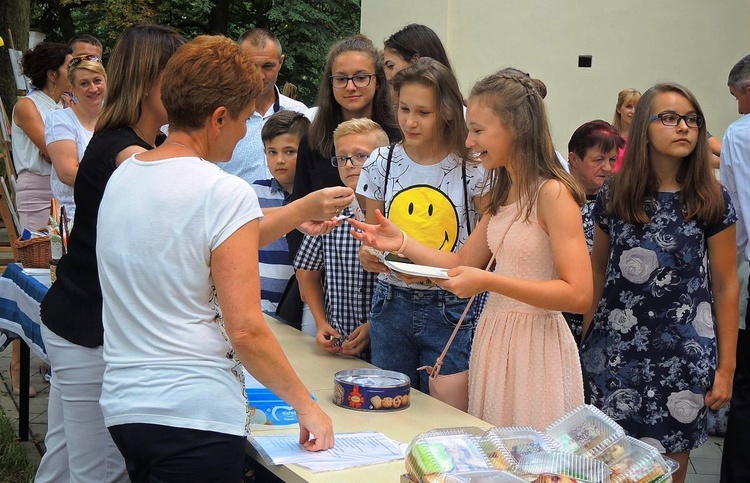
<point>371,390</point>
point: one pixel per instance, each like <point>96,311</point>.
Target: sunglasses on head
<point>77,60</point>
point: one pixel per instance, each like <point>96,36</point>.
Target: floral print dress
<point>650,355</point>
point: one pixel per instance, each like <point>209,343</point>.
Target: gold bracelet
<point>403,244</point>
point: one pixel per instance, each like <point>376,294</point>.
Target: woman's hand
<point>328,339</point>
<point>464,281</point>
<point>326,203</point>
<point>317,228</point>
<point>358,340</point>
<point>385,236</point>
<point>315,428</point>
<point>721,390</point>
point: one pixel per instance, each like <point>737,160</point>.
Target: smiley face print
<point>427,215</point>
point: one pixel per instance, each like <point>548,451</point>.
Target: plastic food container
<point>549,467</point>
<point>515,443</point>
<point>491,476</point>
<point>436,454</point>
<point>585,431</point>
<point>635,461</point>
<point>371,390</point>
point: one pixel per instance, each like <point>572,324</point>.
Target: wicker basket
<point>34,252</point>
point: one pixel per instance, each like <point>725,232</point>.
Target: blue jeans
<point>409,329</point>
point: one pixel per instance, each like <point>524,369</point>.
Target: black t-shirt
<point>72,308</point>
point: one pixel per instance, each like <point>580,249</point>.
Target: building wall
<point>633,43</point>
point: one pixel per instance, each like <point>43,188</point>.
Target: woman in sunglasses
<point>664,263</point>
<point>68,131</point>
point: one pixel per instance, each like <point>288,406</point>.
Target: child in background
<point>665,280</point>
<point>524,368</point>
<point>281,135</point>
<point>330,264</point>
<point>427,186</point>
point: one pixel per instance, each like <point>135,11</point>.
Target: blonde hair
<point>90,65</point>
<point>363,126</point>
<point>625,96</point>
<point>515,100</point>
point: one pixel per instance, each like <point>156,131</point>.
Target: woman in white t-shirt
<point>68,131</point>
<point>177,252</point>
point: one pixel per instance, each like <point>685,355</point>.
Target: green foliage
<point>14,467</point>
<point>306,28</point>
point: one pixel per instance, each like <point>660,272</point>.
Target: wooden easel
<point>8,214</point>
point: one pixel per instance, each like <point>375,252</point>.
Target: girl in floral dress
<point>665,277</point>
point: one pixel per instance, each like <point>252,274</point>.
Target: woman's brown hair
<point>637,183</point>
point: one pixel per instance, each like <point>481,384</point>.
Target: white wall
<point>634,43</point>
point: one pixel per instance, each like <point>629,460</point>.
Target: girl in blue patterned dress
<point>664,274</point>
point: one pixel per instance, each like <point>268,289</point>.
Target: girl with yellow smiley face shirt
<point>426,186</point>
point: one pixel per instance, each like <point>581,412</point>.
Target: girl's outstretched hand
<point>385,236</point>
<point>464,281</point>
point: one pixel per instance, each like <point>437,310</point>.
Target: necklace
<point>186,147</point>
<point>143,136</point>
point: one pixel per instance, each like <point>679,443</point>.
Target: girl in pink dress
<point>524,368</point>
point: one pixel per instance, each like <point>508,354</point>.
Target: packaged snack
<point>431,456</point>
<point>585,431</point>
<point>558,464</point>
<point>641,463</point>
<point>516,442</point>
<point>491,476</point>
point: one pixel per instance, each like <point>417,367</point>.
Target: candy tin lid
<point>585,431</point>
<point>372,378</point>
<point>371,390</point>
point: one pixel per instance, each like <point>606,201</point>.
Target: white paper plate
<point>418,270</point>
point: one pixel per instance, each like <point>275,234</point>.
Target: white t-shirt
<point>168,359</point>
<point>427,202</point>
<point>64,125</point>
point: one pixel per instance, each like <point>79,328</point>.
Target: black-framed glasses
<point>356,160</point>
<point>359,80</point>
<point>671,119</point>
<point>80,58</point>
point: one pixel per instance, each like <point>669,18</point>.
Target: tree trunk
<point>14,17</point>
<point>218,19</point>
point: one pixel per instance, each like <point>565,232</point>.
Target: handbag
<point>289,308</point>
<point>453,389</point>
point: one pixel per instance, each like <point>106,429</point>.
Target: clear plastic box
<point>585,431</point>
<point>579,468</point>
<point>434,455</point>
<point>516,443</point>
<point>491,476</point>
<point>639,463</point>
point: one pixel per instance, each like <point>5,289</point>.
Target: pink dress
<point>524,368</point>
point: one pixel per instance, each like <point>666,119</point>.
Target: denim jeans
<point>409,329</point>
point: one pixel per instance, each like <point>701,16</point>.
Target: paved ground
<point>704,461</point>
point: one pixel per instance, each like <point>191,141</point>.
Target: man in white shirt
<point>735,174</point>
<point>248,160</point>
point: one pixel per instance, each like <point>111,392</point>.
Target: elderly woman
<point>592,153</point>
<point>179,273</point>
<point>68,131</point>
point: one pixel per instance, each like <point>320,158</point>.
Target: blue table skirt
<point>20,296</point>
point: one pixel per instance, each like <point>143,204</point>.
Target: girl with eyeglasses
<point>67,132</point>
<point>353,86</point>
<point>427,186</point>
<point>664,263</point>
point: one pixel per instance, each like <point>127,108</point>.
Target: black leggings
<point>164,454</point>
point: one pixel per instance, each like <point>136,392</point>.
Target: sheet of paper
<point>351,449</point>
<point>418,270</point>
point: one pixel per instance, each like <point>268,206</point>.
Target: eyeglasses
<point>671,119</point>
<point>357,160</point>
<point>77,60</point>
<point>359,80</point>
